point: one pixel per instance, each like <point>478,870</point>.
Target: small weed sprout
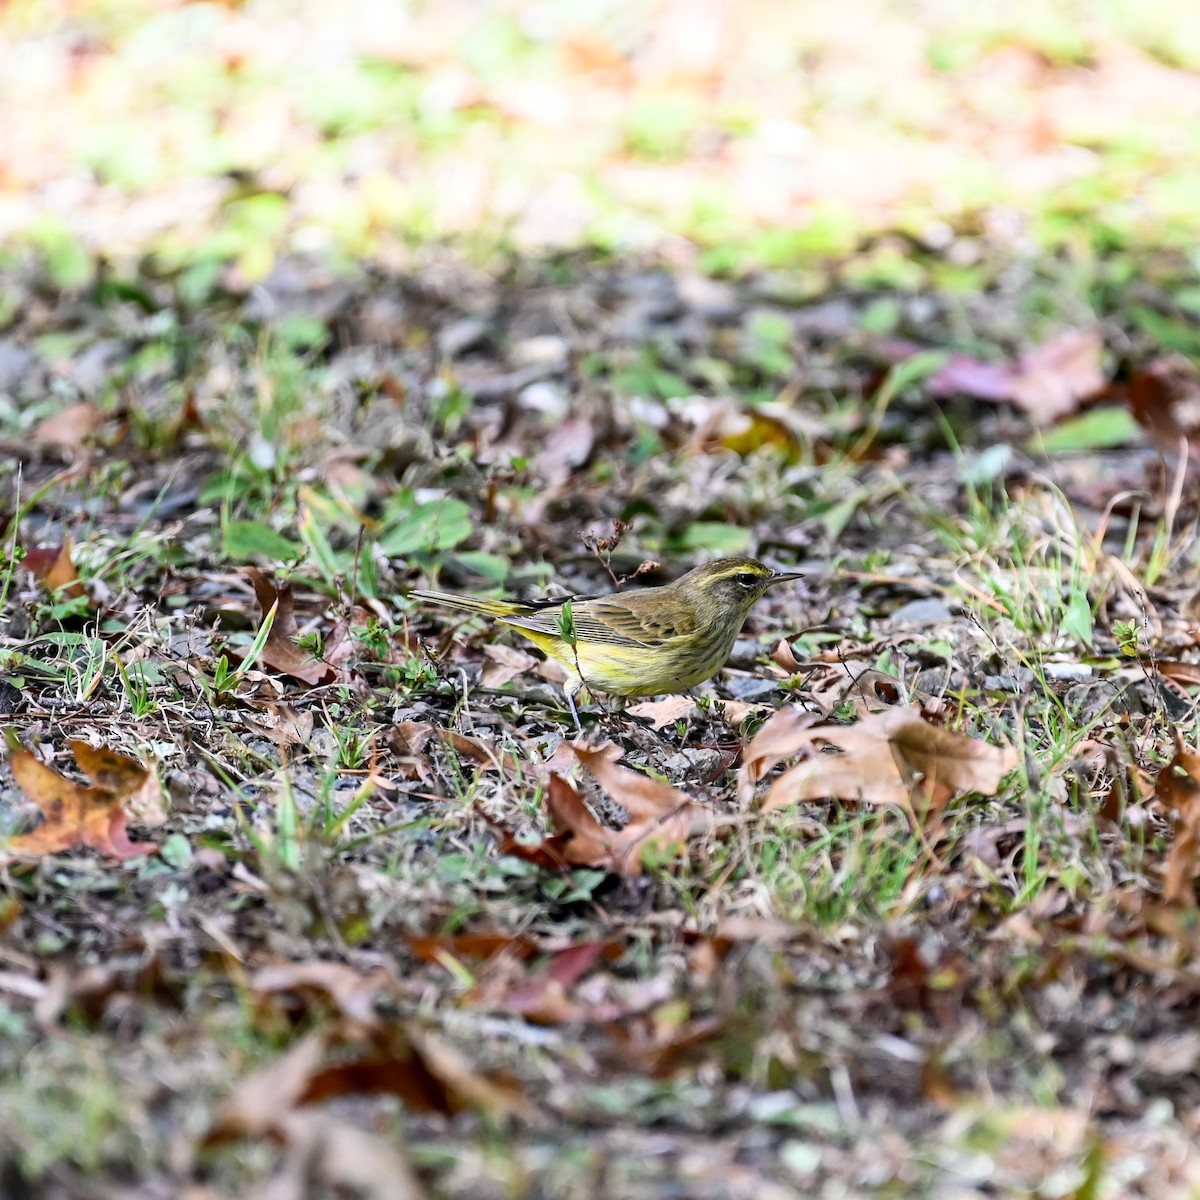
<point>1126,635</point>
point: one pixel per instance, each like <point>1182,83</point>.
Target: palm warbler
<point>642,643</point>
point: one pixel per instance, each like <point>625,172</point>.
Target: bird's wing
<point>609,621</point>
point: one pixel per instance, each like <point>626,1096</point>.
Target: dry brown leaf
<point>661,818</point>
<point>53,566</point>
<point>1185,673</point>
<point>352,994</point>
<point>889,757</point>
<point>780,737</point>
<point>1178,789</point>
<point>504,664</point>
<point>411,738</point>
<point>737,711</point>
<point>260,1100</point>
<point>470,945</point>
<point>498,1100</point>
<point>402,1060</point>
<point>75,815</point>
<point>783,656</point>
<point>280,652</point>
<point>567,446</point>
<point>863,687</point>
<point>328,1156</point>
<point>550,854</point>
<point>664,712</point>
<point>344,641</point>
<point>1164,397</point>
<point>69,430</point>
<point>287,725</point>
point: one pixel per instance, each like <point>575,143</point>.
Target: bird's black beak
<point>783,577</point>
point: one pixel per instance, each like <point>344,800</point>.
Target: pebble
<point>1072,672</point>
<point>692,764</point>
<point>921,613</point>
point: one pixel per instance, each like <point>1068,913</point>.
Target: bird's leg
<point>570,694</point>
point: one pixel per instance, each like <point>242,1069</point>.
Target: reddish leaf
<point>75,815</point>
<point>53,566</point>
<point>1164,397</point>
<point>1047,383</point>
<point>1178,789</point>
<point>470,945</point>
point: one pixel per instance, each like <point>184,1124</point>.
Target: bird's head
<point>730,586</point>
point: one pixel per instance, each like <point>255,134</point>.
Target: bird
<point>639,643</point>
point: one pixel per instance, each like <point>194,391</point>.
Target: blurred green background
<point>215,136</point>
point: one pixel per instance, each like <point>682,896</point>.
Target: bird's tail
<point>472,604</point>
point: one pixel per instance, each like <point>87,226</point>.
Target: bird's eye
<point>747,580</point>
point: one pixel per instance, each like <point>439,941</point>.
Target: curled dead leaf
<point>661,817</point>
<point>352,994</point>
<point>892,757</point>
<point>280,652</point>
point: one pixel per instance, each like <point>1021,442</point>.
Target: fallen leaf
<point>53,566</point>
<point>1177,788</point>
<point>1048,382</point>
<point>1054,379</point>
<point>280,651</point>
<point>661,817</point>
<point>287,725</point>
<point>498,1100</point>
<point>567,446</point>
<point>470,945</point>
<point>1164,397</point>
<point>75,815</point>
<point>1179,672</point>
<point>504,664</point>
<point>412,738</point>
<point>403,1060</point>
<point>892,757</point>
<point>260,1100</point>
<point>784,656</point>
<point>544,998</point>
<point>344,641</point>
<point>550,854</point>
<point>69,429</point>
<point>664,712</point>
<point>351,993</point>
<point>780,737</point>
<point>327,1156</point>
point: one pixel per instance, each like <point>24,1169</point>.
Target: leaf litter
<point>633,939</point>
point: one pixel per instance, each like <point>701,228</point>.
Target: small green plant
<point>1125,634</point>
<point>566,624</point>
